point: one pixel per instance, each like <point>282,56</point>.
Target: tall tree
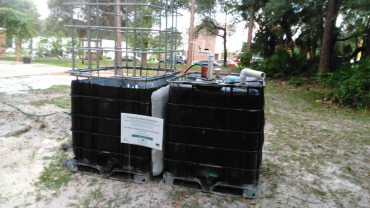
<point>20,19</point>
<point>191,35</point>
<point>355,27</point>
<point>209,9</point>
<point>328,39</point>
<point>248,9</point>
<point>311,22</point>
<point>118,16</point>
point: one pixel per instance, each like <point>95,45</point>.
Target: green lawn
<point>67,62</point>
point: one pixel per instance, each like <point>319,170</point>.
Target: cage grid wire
<point>138,30</point>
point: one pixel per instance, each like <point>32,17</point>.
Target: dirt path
<point>314,156</point>
<point>18,69</point>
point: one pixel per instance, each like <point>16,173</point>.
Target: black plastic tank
<point>214,133</point>
<point>97,105</point>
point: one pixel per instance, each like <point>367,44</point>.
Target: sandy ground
<point>32,163</point>
<point>17,69</point>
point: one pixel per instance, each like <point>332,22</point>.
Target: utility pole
<point>191,35</point>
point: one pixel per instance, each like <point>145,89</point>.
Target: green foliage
<point>16,23</point>
<point>245,59</point>
<point>55,175</point>
<point>283,64</point>
<point>350,84</point>
<point>56,44</point>
<point>297,81</point>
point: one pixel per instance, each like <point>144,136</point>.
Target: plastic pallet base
<point>117,174</point>
<point>248,191</point>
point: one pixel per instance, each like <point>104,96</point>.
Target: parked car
<point>256,59</point>
<point>237,60</point>
<point>44,54</point>
<point>65,55</point>
<point>131,58</point>
<point>205,63</point>
<point>229,63</point>
<point>10,50</point>
<point>179,59</point>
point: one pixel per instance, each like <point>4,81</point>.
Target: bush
<point>350,84</point>
<point>297,81</point>
<point>283,64</point>
<point>245,59</point>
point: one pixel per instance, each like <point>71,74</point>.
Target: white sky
<point>42,7</point>
<point>234,42</point>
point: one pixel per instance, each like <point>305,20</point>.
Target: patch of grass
<point>272,189</point>
<point>67,62</point>
<point>96,194</point>
<point>176,195</point>
<point>53,89</point>
<point>22,131</point>
<point>192,205</point>
<point>3,198</point>
<point>319,192</point>
<point>56,174</point>
<point>127,197</point>
<point>63,102</point>
<point>32,155</point>
<point>42,126</point>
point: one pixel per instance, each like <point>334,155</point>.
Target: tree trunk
<point>119,37</point>
<point>189,60</point>
<point>144,56</point>
<point>250,28</point>
<point>225,49</point>
<point>18,49</point>
<point>328,37</point>
<point>367,43</point>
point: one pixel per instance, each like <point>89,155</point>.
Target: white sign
<point>142,130</point>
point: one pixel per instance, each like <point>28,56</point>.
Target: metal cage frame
<point>164,15</point>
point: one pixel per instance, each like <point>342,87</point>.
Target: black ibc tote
<point>214,134</point>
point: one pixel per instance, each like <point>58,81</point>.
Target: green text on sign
<point>142,137</point>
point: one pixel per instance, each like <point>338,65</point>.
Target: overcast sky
<point>42,7</point>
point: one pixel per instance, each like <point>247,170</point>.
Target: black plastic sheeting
<point>215,133</point>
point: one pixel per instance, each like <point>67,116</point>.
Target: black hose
<point>33,115</point>
<point>191,67</point>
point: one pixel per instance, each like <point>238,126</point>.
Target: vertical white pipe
<point>159,102</point>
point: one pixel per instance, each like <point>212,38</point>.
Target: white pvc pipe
<point>250,73</point>
<point>159,101</point>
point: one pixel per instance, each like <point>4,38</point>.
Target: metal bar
<point>115,38</point>
<point>174,61</point>
<point>104,49</point>
<point>122,28</point>
<point>141,35</point>
<point>89,33</point>
<point>135,25</point>
<point>166,34</point>
<point>97,35</point>
<point>175,27</point>
<point>120,4</point>
<point>73,40</point>
<point>126,34</point>
<point>112,67</point>
<point>129,78</point>
<point>159,41</point>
